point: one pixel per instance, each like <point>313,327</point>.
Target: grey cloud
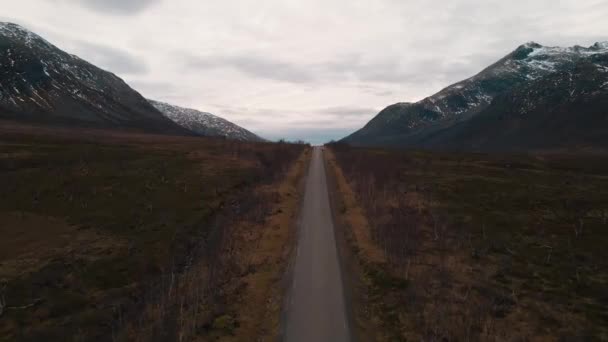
<point>106,57</point>
<point>341,119</point>
<point>258,67</point>
<point>114,60</point>
<point>348,112</point>
<point>118,7</point>
<point>342,69</point>
<point>162,91</point>
<point>392,71</point>
<point>153,87</point>
<point>333,59</point>
<point>383,93</point>
<point>375,90</point>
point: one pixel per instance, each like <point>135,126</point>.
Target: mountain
<point>565,109</point>
<point>204,124</point>
<point>536,96</point>
<point>41,83</point>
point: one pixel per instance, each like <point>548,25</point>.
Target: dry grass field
<point>105,234</point>
<point>475,247</point>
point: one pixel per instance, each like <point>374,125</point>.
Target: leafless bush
<point>420,242</point>
<point>184,300</point>
<point>2,299</point>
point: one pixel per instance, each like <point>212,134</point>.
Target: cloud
<point>153,87</point>
<point>312,67</point>
<point>109,58</point>
<point>117,7</point>
<point>344,69</point>
<point>293,123</point>
<point>113,59</point>
<point>391,70</point>
<point>257,67</point>
<point>347,112</point>
<point>157,90</point>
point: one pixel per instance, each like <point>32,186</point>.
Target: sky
<point>309,69</point>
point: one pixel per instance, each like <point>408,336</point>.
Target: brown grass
<point>120,236</point>
<point>353,215</point>
<point>28,252</point>
<point>358,252</point>
<point>478,247</point>
<point>265,249</point>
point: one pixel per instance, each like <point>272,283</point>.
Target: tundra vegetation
<point>114,236</point>
<point>475,247</point>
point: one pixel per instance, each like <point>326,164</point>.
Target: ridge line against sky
<point>313,70</point>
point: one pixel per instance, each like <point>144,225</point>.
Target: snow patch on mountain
<point>531,60</point>
<point>35,51</point>
<point>40,82</point>
<point>597,48</point>
<point>15,31</point>
<point>205,124</point>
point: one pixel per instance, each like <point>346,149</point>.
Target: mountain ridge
<point>41,83</point>
<point>203,123</point>
<point>410,124</point>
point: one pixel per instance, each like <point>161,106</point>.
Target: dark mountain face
<point>41,83</point>
<point>568,108</point>
<point>531,80</point>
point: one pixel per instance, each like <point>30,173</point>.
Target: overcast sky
<point>310,69</point>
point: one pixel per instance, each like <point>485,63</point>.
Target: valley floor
<point>125,236</point>
<point>473,247</point>
<point>112,235</point>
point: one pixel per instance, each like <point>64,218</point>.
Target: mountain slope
<point>204,124</point>
<point>565,109</point>
<point>39,82</point>
<point>423,123</point>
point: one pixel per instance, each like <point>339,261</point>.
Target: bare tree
<point>549,252</point>
<point>2,298</point>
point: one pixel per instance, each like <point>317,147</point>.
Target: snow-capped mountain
<point>39,82</point>
<point>204,124</point>
<point>421,124</point>
<point>565,109</point>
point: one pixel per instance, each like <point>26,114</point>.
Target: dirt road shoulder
<point>264,253</point>
<point>357,252</point>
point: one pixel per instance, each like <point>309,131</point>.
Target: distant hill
<point>535,97</point>
<point>204,124</point>
<point>41,83</point>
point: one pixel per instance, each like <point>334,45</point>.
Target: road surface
<point>315,309</point>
